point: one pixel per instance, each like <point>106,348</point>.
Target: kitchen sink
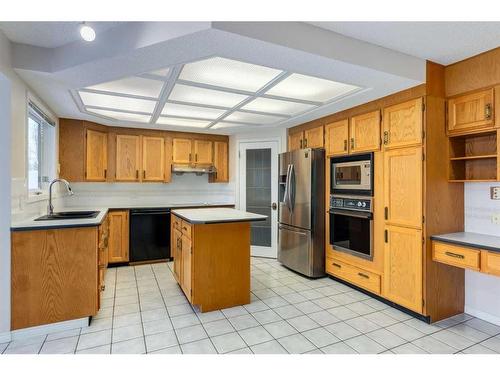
<point>64,215</point>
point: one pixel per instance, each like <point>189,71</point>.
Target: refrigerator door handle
<point>291,194</point>
<point>286,197</point>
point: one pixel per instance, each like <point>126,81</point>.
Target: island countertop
<point>477,240</point>
<point>216,215</point>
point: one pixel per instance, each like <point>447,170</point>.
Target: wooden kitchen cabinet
<point>118,245</point>
<point>337,138</point>
<point>128,157</point>
<point>203,152</point>
<point>403,170</point>
<point>186,249</point>
<point>314,138</point>
<point>471,112</point>
<point>177,252</point>
<point>403,265</point>
<point>54,275</point>
<point>221,162</point>
<point>96,155</point>
<point>153,159</point>
<point>365,132</point>
<point>403,124</point>
<point>295,141</point>
<point>181,151</point>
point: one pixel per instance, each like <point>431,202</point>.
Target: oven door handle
<point>358,214</point>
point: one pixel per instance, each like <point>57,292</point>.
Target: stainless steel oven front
<point>352,174</point>
<point>351,225</point>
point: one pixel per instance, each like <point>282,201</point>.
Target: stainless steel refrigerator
<point>301,228</point>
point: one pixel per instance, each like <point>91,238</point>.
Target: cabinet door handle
<point>189,157</point>
<point>137,174</point>
<point>352,143</point>
<point>386,137</point>
<point>336,265</point>
<point>487,111</point>
<point>144,174</point>
<point>301,143</point>
<point>305,143</point>
<point>386,213</point>
<point>363,275</point>
<point>454,255</point>
<point>345,144</point>
<point>195,157</point>
<point>386,236</point>
<point>105,173</point>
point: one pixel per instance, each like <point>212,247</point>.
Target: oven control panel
<point>347,203</point>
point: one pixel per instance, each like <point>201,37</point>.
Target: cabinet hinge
<point>423,107</point>
<point>423,219</point>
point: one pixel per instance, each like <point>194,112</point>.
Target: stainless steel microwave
<point>352,174</point>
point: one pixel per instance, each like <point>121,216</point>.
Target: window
<point>41,150</point>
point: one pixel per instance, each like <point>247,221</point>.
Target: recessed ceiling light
<point>181,110</point>
<point>87,33</point>
<point>227,73</point>
<point>298,86</point>
<point>132,86</point>
<point>123,116</point>
<point>197,95</point>
<point>117,102</point>
<point>174,121</point>
<point>253,118</point>
<point>282,107</point>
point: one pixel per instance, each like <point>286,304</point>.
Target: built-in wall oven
<point>351,225</point>
<point>352,174</point>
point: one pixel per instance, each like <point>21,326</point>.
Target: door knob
<point>274,206</point>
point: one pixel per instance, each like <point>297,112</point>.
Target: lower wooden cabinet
<point>182,253</point>
<point>355,275</point>
<point>186,249</point>
<point>118,236</point>
<point>403,267</point>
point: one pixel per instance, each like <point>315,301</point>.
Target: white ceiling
<point>441,42</point>
<point>172,54</point>
<point>49,34</point>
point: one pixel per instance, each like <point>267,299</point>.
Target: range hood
<point>198,170</point>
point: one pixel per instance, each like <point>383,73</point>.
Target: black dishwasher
<point>149,234</point>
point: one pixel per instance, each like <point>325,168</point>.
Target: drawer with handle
<point>186,228</point>
<point>490,263</point>
<point>355,275</point>
<point>455,255</point>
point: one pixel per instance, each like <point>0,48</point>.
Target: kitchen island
<point>211,250</point>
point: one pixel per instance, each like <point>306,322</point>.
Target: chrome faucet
<point>50,208</point>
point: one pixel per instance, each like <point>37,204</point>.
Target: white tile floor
<point>144,311</point>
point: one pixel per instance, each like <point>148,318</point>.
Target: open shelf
<point>473,157</point>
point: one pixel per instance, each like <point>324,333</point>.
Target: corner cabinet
<point>96,155</point>
<point>118,243</point>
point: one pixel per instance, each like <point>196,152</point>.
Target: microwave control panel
<point>358,204</point>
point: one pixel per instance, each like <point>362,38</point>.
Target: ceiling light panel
<point>227,73</point>
<point>182,122</point>
<point>282,107</point>
<point>117,102</point>
<point>132,86</point>
<point>253,118</point>
<point>197,95</point>
<point>298,86</point>
<point>122,116</point>
<point>227,125</point>
<point>182,110</point>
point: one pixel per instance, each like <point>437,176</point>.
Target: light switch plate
<point>495,192</point>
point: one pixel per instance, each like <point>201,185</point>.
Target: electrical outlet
<point>495,192</point>
<point>495,219</point>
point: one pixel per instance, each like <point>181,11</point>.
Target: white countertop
<point>481,241</point>
<point>216,215</point>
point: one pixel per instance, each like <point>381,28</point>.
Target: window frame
<point>34,195</point>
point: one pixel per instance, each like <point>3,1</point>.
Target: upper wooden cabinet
<point>471,112</point>
<point>221,162</point>
<point>403,124</point>
<point>313,138</point>
<point>118,242</point>
<point>153,158</point>
<point>365,132</point>
<point>202,152</point>
<point>403,178</point>
<point>96,152</point>
<point>295,141</point>
<point>128,157</point>
<point>337,138</point>
<point>310,138</point>
<point>403,262</point>
<point>181,151</point>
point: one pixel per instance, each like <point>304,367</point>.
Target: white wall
<point>482,292</point>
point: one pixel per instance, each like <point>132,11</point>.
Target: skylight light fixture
<point>117,102</point>
<point>181,110</point>
<point>121,116</point>
<point>280,107</point>
<point>182,122</point>
<point>253,118</point>
<point>87,33</point>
